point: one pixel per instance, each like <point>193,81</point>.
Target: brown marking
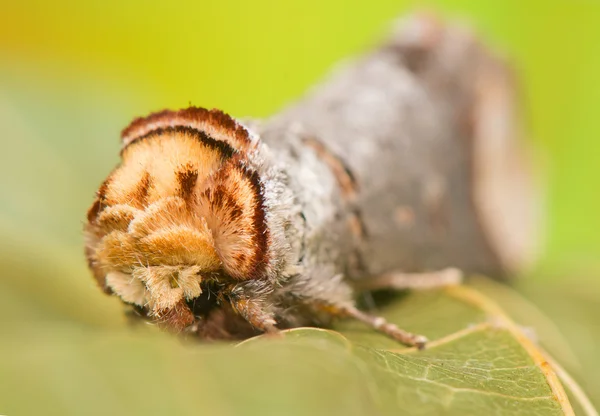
<point>140,193</point>
<point>359,232</point>
<point>348,189</point>
<point>237,211</point>
<point>356,225</point>
<point>260,238</point>
<point>226,122</point>
<point>341,172</point>
<point>222,198</point>
<point>241,258</point>
<point>214,123</point>
<point>187,178</point>
<point>94,210</point>
<point>222,147</point>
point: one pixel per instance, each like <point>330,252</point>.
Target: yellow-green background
<point>72,74</point>
<point>96,64</point>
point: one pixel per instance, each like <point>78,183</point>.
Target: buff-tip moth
<point>406,160</point>
<point>197,218</point>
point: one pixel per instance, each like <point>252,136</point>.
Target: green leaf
<point>478,361</point>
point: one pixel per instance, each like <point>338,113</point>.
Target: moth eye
<point>234,211</point>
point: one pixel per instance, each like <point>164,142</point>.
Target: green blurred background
<point>72,74</point>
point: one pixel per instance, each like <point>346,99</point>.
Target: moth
<point>222,229</point>
<point>198,216</point>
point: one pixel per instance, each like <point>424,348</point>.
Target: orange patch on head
<point>180,208</point>
<point>234,211</point>
<point>154,166</point>
<point>180,245</point>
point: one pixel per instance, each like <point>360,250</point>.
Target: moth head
<point>182,208</point>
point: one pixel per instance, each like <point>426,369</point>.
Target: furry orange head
<point>183,207</point>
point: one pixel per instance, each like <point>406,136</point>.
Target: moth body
<point>200,205</point>
<point>406,160</point>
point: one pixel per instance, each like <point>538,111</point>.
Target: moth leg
<point>253,312</point>
<point>415,281</point>
<point>378,323</point>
